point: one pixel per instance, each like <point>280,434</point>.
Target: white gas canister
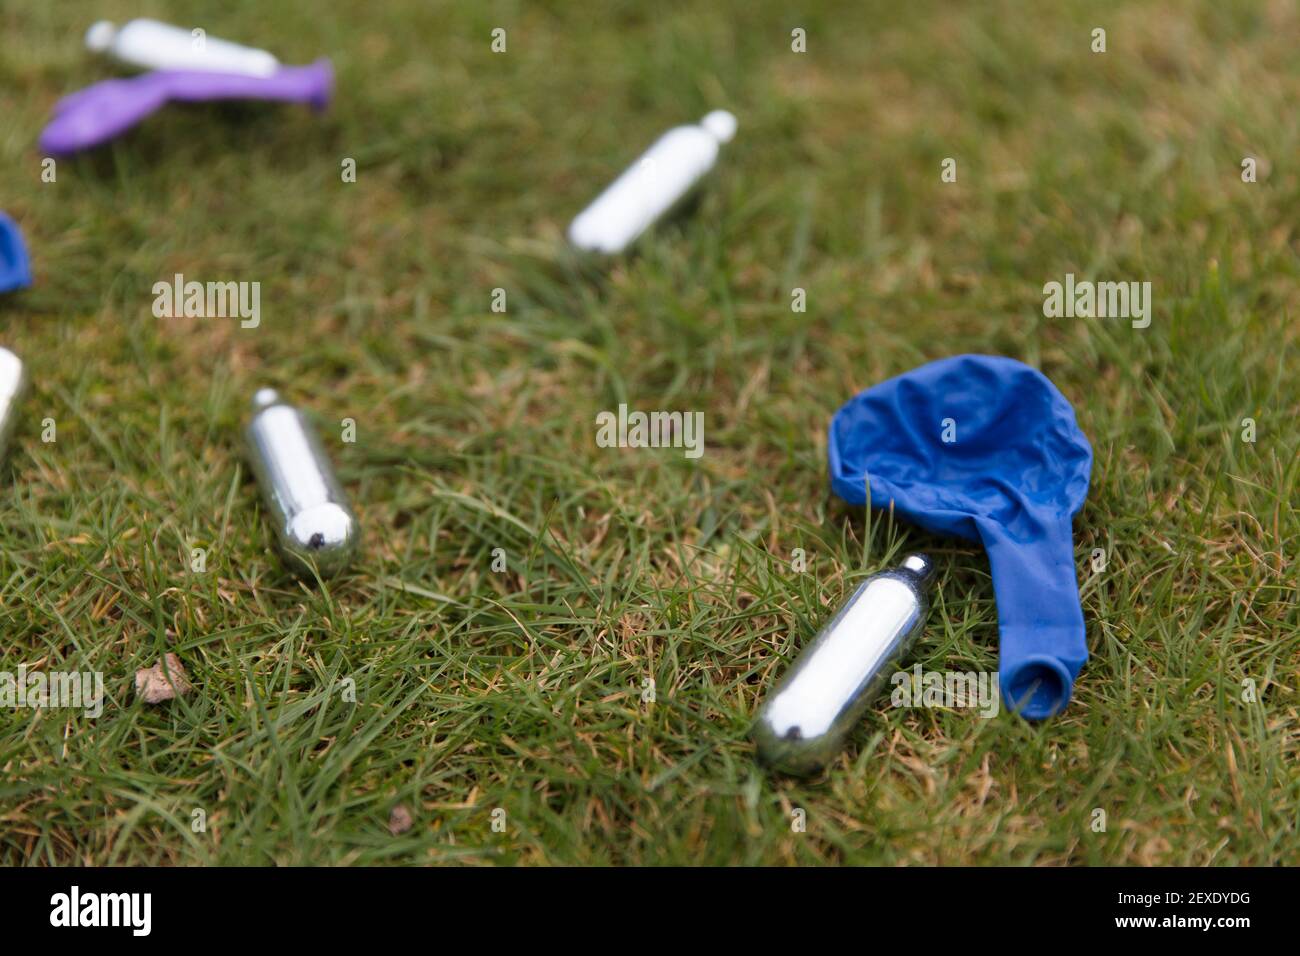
<point>657,181</point>
<point>152,45</point>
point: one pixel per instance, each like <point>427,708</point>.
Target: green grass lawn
<point>521,691</point>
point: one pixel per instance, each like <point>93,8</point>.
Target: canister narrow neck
<point>920,566</point>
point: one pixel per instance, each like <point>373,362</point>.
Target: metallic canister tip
<point>721,124</point>
<point>920,565</point>
<point>264,398</point>
<point>314,524</point>
<point>13,383</point>
<point>100,36</point>
<point>802,725</point>
<point>325,534</point>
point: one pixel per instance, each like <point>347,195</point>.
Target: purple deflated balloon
<point>101,112</point>
<point>985,448</point>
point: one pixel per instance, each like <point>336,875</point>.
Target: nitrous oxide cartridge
<point>659,180</point>
<point>152,45</point>
<point>13,382</point>
<point>313,521</point>
<point>804,722</point>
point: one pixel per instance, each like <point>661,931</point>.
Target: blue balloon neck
<point>1043,644</point>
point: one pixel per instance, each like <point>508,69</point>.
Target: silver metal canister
<point>656,183</point>
<point>802,725</point>
<point>312,518</point>
<point>13,383</point>
<point>152,45</point>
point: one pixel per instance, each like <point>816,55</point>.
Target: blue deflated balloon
<point>984,448</point>
<point>15,271</point>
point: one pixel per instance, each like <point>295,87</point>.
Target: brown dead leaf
<point>155,685</point>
